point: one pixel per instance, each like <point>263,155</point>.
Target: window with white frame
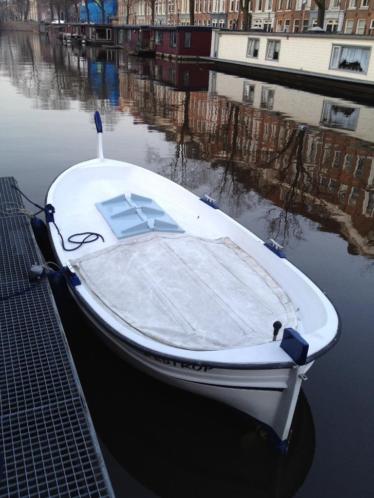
<point>365,4</point>
<point>360,167</point>
<point>158,37</point>
<point>360,28</point>
<point>267,97</point>
<point>272,50</point>
<point>372,24</point>
<point>332,26</point>
<point>350,58</point>
<point>187,39</point>
<point>296,26</point>
<point>248,92</point>
<point>348,26</point>
<point>287,23</point>
<point>352,4</point>
<point>334,4</point>
<point>267,26</point>
<point>173,39</point>
<point>288,5</point>
<point>298,4</point>
<point>221,23</point>
<point>253,47</point>
<point>338,116</point>
<point>370,204</point>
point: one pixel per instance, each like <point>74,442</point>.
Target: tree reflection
<point>54,76</point>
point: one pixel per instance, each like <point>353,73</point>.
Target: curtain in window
<point>251,47</point>
<point>354,59</point>
<point>270,50</point>
<point>338,116</point>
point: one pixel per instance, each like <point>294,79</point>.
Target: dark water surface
<point>217,134</point>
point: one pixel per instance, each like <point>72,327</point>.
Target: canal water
<point>229,137</point>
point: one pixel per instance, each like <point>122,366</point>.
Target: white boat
<point>186,293</point>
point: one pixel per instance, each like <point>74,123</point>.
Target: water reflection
<point>233,130</point>
<point>237,125</point>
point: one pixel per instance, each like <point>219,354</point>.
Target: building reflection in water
<point>226,131</point>
<point>239,125</point>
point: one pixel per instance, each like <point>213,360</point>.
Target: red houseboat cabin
<point>134,39</point>
<point>182,41</point>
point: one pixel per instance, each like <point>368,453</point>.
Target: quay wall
<point>302,54</point>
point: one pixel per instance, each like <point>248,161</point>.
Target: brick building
<point>359,17</point>
<point>348,16</point>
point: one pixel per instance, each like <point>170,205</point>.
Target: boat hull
<point>266,394</point>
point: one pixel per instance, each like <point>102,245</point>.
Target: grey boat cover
<point>187,292</point>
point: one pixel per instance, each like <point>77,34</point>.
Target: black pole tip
<point>277,326</point>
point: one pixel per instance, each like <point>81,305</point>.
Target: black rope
<point>41,209</point>
<point>88,237</point>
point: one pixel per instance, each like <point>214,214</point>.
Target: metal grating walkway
<point>48,444</point>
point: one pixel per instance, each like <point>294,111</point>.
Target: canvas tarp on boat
<point>188,292</point>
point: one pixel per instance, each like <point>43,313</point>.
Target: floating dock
<point>48,443</point>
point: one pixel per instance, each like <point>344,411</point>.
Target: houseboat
<point>99,34</point>
<point>323,59</point>
<point>91,34</point>
<point>136,40</point>
<point>74,32</point>
<point>182,42</point>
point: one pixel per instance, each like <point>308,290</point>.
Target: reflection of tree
<point>53,75</point>
<point>184,134</point>
<point>284,224</point>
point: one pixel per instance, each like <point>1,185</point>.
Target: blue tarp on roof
<point>95,12</point>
